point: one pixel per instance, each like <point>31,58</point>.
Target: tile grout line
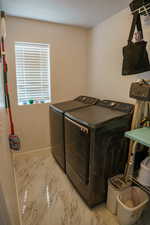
<point>17,193</point>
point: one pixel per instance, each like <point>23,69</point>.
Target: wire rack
<point>144,10</point>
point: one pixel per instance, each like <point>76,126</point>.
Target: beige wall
<point>68,73</point>
<point>8,199</point>
<point>82,62</point>
<point>105,58</point>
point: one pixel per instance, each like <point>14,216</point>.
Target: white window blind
<point>32,72</point>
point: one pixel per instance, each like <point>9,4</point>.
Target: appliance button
<point>112,104</point>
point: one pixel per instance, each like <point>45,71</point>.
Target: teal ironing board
<point>141,135</point>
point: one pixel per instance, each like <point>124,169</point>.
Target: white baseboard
<point>17,195</point>
<point>31,151</point>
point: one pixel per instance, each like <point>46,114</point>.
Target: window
<point>32,73</point>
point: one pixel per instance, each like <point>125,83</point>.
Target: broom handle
<point>134,124</point>
<point>6,88</point>
<point>132,145</point>
<point>9,112</point>
<point>4,69</point>
<point>138,112</point>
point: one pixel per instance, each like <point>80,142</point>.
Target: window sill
<point>39,103</point>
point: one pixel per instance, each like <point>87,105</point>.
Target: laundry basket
<point>131,203</point>
<point>116,184</point>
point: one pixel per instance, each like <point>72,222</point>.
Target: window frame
<point>49,73</point>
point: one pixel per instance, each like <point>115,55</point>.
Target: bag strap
<point>135,22</point>
<point>139,25</point>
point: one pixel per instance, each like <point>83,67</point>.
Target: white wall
<point>68,73</point>
<point>8,199</point>
<point>105,58</point>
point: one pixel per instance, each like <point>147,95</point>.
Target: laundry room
<point>75,112</point>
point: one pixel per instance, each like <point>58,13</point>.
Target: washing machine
<point>95,147</point>
<point>56,112</point>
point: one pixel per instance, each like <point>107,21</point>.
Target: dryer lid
<point>79,102</point>
<point>94,116</point>
<point>67,106</point>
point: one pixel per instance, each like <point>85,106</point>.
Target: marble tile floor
<point>46,197</point>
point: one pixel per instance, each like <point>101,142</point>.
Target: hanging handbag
<point>135,57</point>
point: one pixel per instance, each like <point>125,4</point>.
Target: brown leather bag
<point>140,91</point>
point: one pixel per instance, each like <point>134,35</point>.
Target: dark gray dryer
<point>57,124</point>
<point>95,147</point>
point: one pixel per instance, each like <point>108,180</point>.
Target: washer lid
<point>94,116</point>
<point>68,106</point>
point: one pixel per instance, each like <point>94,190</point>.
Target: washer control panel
<point>87,100</point>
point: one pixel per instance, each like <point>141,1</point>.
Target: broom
<point>14,141</point>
